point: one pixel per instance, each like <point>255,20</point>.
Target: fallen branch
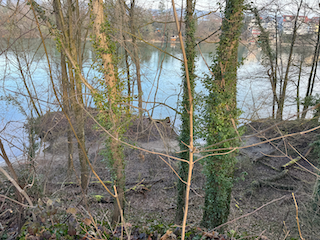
<point>75,183</point>
<point>261,183</point>
<point>265,155</point>
<point>293,161</point>
<point>276,177</point>
<point>15,201</point>
<point>269,182</point>
<point>107,182</point>
<point>20,190</point>
<point>270,166</point>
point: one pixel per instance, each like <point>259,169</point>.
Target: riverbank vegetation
<point>94,154</point>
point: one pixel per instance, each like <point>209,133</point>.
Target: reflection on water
<point>161,79</point>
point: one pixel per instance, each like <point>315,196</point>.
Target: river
<point>254,94</point>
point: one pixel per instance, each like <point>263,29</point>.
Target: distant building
<point>253,28</point>
<point>174,38</point>
<point>303,24</point>
<point>314,25</point>
<point>255,32</point>
<point>268,23</point>
<point>287,24</point>
<point>284,24</point>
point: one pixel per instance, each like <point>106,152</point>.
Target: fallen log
<point>261,183</point>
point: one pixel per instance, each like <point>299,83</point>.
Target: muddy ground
<point>260,177</point>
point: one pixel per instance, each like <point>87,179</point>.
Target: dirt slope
<point>151,183</point>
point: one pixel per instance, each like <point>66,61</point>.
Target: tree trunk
<point>76,96</point>
<point>127,69</point>
<point>66,106</point>
<point>275,72</point>
<point>185,116</point>
<point>114,112</point>
<point>286,77</point>
<point>65,88</point>
<point>220,117</point>
<point>312,75</point>
<point>298,87</point>
<point>136,57</point>
<point>266,48</point>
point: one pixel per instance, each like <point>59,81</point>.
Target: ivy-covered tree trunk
<point>185,116</point>
<point>220,117</point>
<point>105,51</point>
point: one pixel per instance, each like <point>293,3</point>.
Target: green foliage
<point>219,117</point>
<point>51,222</point>
<point>98,197</point>
<point>3,235</point>
<point>242,177</point>
<point>160,227</point>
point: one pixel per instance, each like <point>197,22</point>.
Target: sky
<point>287,6</point>
<point>200,5</point>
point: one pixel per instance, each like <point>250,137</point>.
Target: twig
<point>286,231</point>
<point>256,144</point>
<point>15,201</point>
<point>209,36</point>
<point>297,215</point>
<point>248,214</point>
<point>190,111</point>
<point>260,235</point>
<point>271,127</point>
<point>304,156</point>
<point>8,210</point>
<point>121,213</point>
<point>175,172</point>
<point>17,186</point>
<point>134,186</point>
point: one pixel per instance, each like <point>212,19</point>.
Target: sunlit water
<point>254,92</point>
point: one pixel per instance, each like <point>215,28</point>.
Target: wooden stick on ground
<point>297,216</point>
